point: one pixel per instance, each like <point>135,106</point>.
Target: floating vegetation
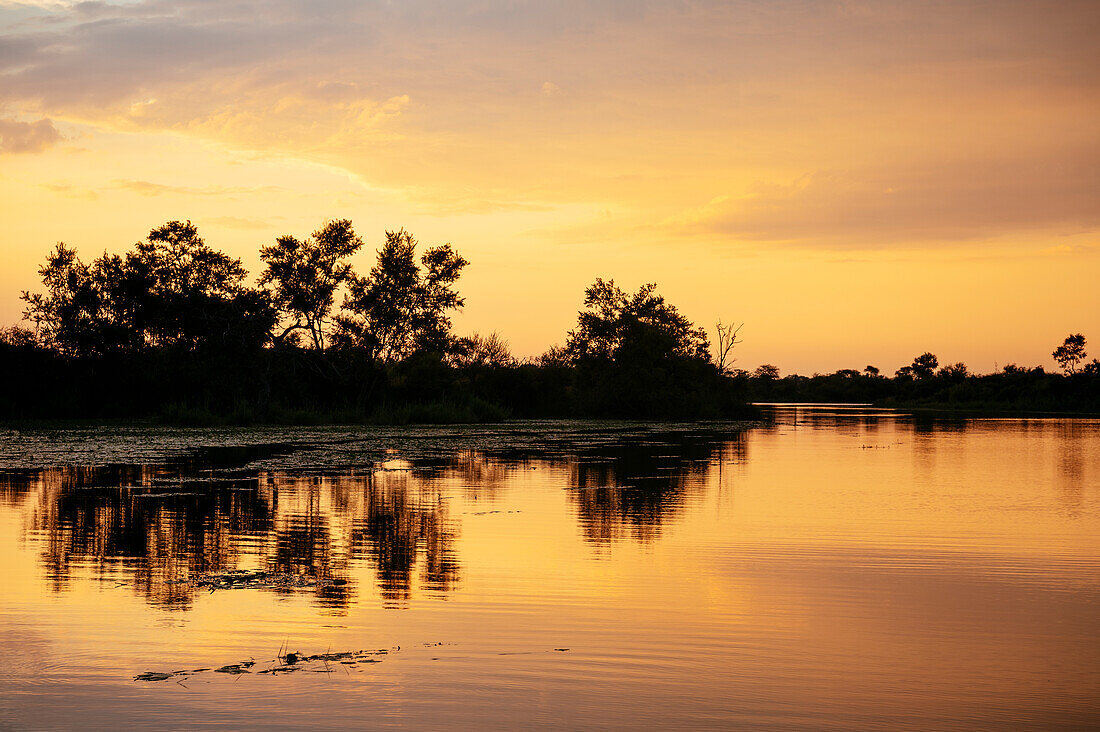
<point>236,668</point>
<point>156,676</point>
<point>247,579</point>
<point>165,495</point>
<point>288,662</point>
<point>295,662</point>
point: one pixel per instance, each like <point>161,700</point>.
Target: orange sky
<point>856,181</point>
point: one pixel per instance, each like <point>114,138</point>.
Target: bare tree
<point>727,339</point>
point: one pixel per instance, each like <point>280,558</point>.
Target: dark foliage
<point>171,329</point>
<point>303,277</point>
<point>1014,388</point>
<point>637,356</point>
<point>401,308</point>
<point>170,292</point>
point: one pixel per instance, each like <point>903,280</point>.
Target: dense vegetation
<point>924,383</point>
<point>173,329</point>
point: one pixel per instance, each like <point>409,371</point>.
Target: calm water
<point>840,568</point>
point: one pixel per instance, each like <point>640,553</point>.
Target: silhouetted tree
<point>924,365</point>
<point>553,357</point>
<point>16,336</point>
<point>956,372</point>
<point>766,371</point>
<point>304,276</point>
<point>477,350</point>
<point>170,290</point>
<point>179,291</point>
<point>71,316</point>
<point>401,306</point>
<point>871,372</point>
<point>727,339</point>
<point>635,355</point>
<point>1070,353</point>
<point>615,326</point>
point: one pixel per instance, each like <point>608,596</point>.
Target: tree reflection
<point>146,529</point>
<point>163,530</point>
<point>634,487</point>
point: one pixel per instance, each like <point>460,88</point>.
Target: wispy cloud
<point>237,222</point>
<point>766,121</point>
<point>885,206</point>
<point>148,188</point>
<point>71,191</point>
<point>27,137</point>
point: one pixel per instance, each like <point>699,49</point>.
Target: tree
<point>727,339</point>
<point>641,328</point>
<point>954,372</point>
<point>304,276</point>
<point>402,307</point>
<point>178,291</point>
<point>635,355</point>
<point>170,290</point>
<point>477,350</point>
<point>871,372</point>
<point>1070,353</point>
<point>767,371</point>
<point>70,315</point>
<point>16,336</point>
<point>924,365</point>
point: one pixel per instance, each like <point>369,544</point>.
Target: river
<point>837,567</point>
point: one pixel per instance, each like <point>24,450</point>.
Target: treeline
<point>173,328</point>
<point>924,383</point>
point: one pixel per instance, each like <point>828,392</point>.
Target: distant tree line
<point>173,328</point>
<point>925,383</point>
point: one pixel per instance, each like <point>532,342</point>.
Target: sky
<point>856,182</point>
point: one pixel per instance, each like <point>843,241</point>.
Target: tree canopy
<point>304,275</point>
<point>1071,353</point>
<point>402,306</point>
<point>169,290</point>
<point>623,328</point>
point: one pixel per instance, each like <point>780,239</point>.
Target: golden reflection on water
<point>833,568</point>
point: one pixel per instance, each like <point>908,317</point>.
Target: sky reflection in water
<point>839,567</point>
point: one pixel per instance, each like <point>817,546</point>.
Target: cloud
<point>72,191</point>
<point>236,222</point>
<point>27,137</point>
<point>873,208</point>
<point>668,103</point>
<point>147,188</point>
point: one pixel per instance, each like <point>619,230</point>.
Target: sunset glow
<point>857,182</point>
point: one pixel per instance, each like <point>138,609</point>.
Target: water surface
<point>837,568</point>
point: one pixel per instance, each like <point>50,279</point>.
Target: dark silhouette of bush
<point>636,356</point>
<point>1070,353</point>
<point>171,328</point>
<point>402,307</point>
<point>303,277</point>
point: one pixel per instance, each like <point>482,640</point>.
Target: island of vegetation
<point>172,329</point>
